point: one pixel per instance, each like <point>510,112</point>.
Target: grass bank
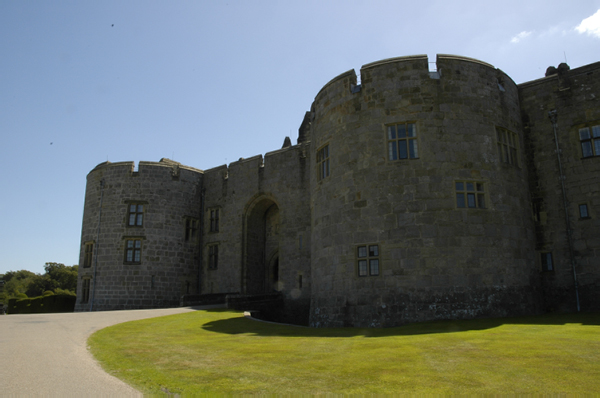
<point>219,351</point>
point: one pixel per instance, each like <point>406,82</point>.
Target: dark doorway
<point>261,269</point>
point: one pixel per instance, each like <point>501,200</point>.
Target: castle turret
<point>419,195</point>
<point>140,236</point>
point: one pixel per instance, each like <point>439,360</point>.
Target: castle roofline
<point>395,59</point>
<point>409,58</point>
<point>350,73</point>
<point>590,68</point>
<point>466,59</point>
<point>164,162</point>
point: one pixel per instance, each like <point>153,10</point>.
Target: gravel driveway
<point>46,354</point>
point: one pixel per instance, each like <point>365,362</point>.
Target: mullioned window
<point>133,251</point>
<point>508,146</point>
<point>214,220</point>
<point>367,257</point>
<point>213,256</point>
<point>85,290</point>
<point>589,138</point>
<point>323,163</point>
<point>88,254</point>
<point>191,229</point>
<point>470,194</point>
<point>402,141</point>
<point>136,215</point>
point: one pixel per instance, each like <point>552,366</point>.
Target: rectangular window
<point>133,251</point>
<point>470,194</point>
<point>583,211</point>
<point>85,290</point>
<point>214,220</point>
<point>136,215</point>
<point>590,141</point>
<point>88,255</point>
<point>547,264</point>
<point>402,141</point>
<point>323,163</point>
<point>191,229</point>
<point>213,257</point>
<point>508,146</point>
<point>368,260</point>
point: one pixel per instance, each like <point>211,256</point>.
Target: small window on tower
<point>85,290</point>
<point>213,256</point>
<point>508,146</point>
<point>547,263</point>
<point>470,194</point>
<point>583,211</point>
<point>133,251</point>
<point>136,215</point>
<point>214,220</point>
<point>323,163</point>
<point>589,138</point>
<point>402,141</point>
<point>88,255</point>
<point>367,257</point>
<point>191,229</point>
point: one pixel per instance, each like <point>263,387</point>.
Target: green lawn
<point>219,351</point>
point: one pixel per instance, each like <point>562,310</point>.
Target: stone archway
<point>261,237</point>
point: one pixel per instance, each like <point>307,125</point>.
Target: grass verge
<point>219,351</point>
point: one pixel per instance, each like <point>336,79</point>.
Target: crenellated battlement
<point>267,163</point>
<point>165,166</point>
<point>408,75</point>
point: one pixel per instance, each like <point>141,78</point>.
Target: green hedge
<point>43,304</point>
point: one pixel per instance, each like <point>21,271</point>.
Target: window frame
<point>88,254</point>
<point>479,196</point>
<point>508,146</point>
<point>593,139</point>
<point>213,256</point>
<point>135,210</point>
<point>136,248</point>
<point>191,229</point>
<point>587,211</point>
<point>214,215</point>
<point>368,259</point>
<point>323,162</point>
<point>86,284</point>
<point>547,267</point>
<point>392,136</point>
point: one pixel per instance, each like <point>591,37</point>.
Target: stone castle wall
<point>436,260</point>
<point>575,96</point>
<point>303,220</point>
<point>168,268</point>
<point>264,215</point>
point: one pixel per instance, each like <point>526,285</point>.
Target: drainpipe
<point>97,245</point>
<point>553,114</point>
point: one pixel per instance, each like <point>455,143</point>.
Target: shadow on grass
<point>241,325</point>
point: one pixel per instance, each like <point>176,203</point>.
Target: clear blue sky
<point>207,82</point>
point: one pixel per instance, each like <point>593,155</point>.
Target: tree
<point>62,276</point>
<point>58,278</point>
<point>16,282</point>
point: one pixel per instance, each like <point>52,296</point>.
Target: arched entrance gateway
<point>261,247</point>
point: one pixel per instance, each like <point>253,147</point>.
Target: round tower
<point>419,195</point>
<point>140,236</point>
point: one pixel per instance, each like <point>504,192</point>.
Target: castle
<point>414,195</point>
